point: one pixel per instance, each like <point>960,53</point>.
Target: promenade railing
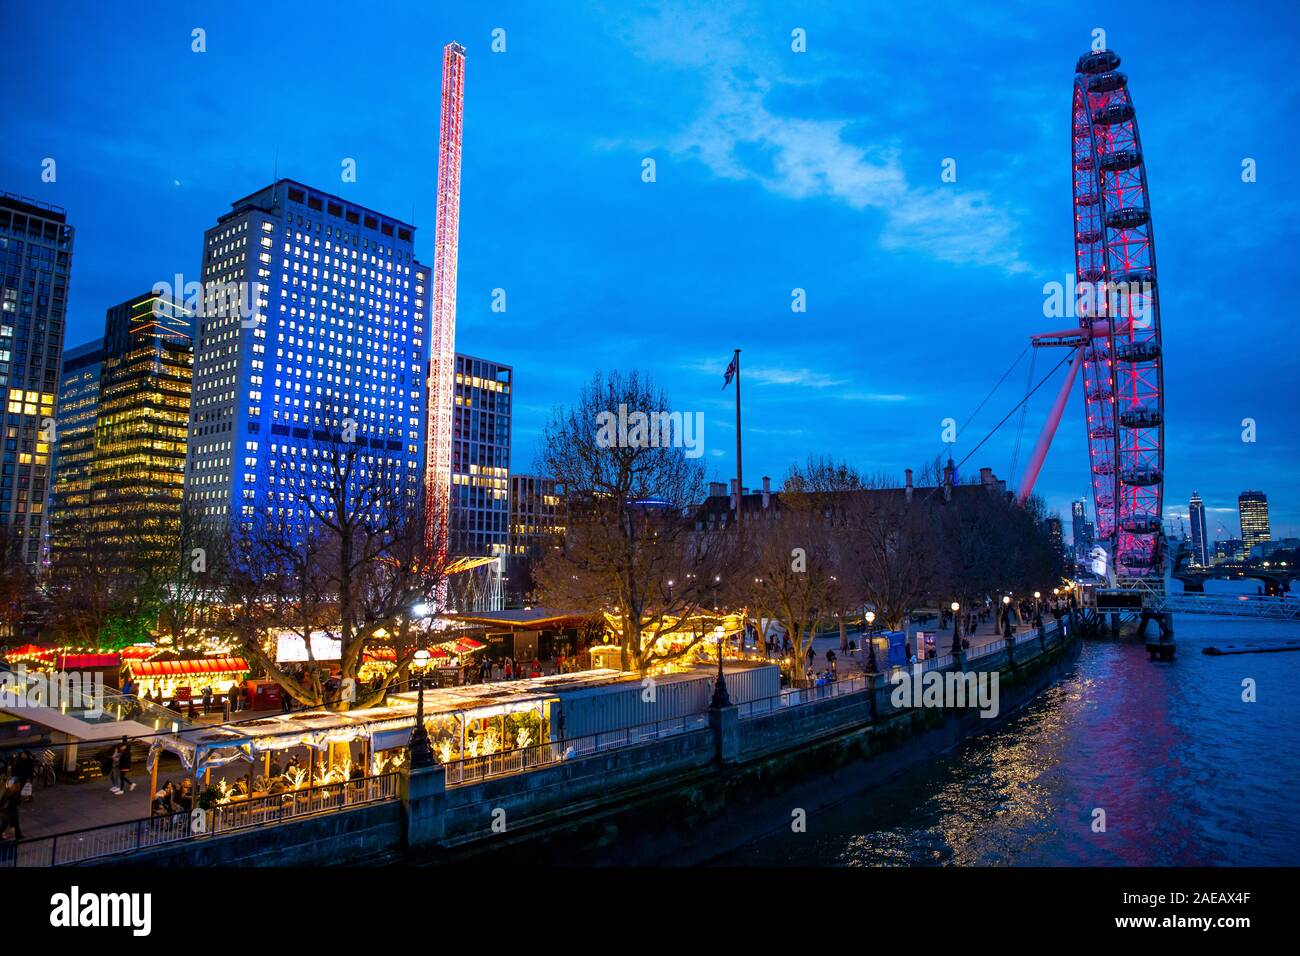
<point>475,769</point>
<point>112,839</point>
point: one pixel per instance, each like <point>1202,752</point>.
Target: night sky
<point>775,170</point>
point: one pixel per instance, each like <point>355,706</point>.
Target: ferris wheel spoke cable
<point>1024,411</point>
<point>1007,417</point>
<point>1016,407</point>
<point>1011,368</point>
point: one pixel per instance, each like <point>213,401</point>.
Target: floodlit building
<point>313,331</point>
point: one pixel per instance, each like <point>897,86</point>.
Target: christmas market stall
<point>181,681</point>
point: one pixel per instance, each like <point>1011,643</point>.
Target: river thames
<point>1186,772</point>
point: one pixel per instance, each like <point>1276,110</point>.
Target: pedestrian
<point>124,766</point>
<point>207,701</point>
<point>24,769</point>
<point>9,801</point>
<point>115,771</point>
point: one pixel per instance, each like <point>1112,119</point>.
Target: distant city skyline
<point>775,171</point>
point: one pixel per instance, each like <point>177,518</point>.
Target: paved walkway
<point>856,663</point>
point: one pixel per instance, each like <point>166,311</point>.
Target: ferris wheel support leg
<point>1049,429</point>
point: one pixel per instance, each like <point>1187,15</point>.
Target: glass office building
<point>35,265</point>
<point>313,330</point>
<point>480,455</point>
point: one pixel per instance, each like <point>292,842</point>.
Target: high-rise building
<point>1196,513</point>
<point>78,404</point>
<point>328,343</point>
<point>1081,528</point>
<point>536,516</point>
<point>35,265</point>
<point>480,472</point>
<point>137,474</point>
<point>1252,506</point>
<point>536,513</point>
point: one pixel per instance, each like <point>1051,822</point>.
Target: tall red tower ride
<point>442,363</point>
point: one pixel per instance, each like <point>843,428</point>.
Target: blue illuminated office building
<point>315,321</point>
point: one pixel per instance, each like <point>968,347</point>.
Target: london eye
<point>1119,314</point>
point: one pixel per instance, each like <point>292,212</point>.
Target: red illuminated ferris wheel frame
<point>1119,315</point>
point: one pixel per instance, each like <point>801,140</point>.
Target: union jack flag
<point>729,374</point>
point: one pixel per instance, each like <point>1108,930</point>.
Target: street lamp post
<point>956,629</point>
<point>421,750</point>
<point>720,696</point>
<point>871,644</point>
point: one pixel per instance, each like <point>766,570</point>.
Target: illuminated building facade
<point>1252,506</point>
<point>138,471</point>
<point>536,513</point>
<point>480,482</point>
<point>35,264</point>
<point>329,342</point>
<point>78,404</point>
<point>1200,547</point>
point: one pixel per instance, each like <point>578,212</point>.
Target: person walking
<point>124,767</point>
<point>24,769</point>
<point>114,771</point>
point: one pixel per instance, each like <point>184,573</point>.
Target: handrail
<point>112,839</point>
<point>466,770</point>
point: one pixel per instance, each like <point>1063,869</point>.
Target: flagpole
<point>739,484</point>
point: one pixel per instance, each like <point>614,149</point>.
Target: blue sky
<point>775,170</point>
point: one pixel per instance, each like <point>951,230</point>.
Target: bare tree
<point>188,574</point>
<point>630,547</point>
<point>795,557</point>
<point>343,552</point>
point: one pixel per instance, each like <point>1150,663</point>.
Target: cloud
<point>804,377</point>
<point>873,397</point>
<point>738,138</point>
<point>772,375</point>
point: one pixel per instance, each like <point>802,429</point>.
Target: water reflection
<point>1185,771</point>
